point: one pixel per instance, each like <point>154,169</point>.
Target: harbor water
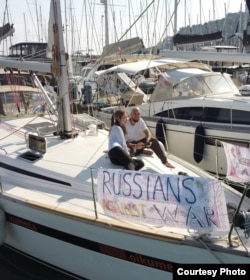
<point>14,266</point>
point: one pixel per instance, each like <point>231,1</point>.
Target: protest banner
<point>161,199</point>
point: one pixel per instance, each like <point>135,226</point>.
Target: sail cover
<point>181,39</point>
<point>129,46</point>
<point>248,5</point>
<point>6,30</point>
<point>246,32</point>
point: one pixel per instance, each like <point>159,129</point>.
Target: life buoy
<point>3,229</point>
<point>199,143</point>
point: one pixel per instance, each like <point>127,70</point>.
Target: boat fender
<point>199,143</point>
<point>160,131</point>
<point>3,227</point>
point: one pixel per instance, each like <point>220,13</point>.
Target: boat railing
<point>82,122</point>
<point>235,217</point>
<point>93,193</point>
<point>88,123</point>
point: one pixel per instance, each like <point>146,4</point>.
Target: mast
<point>66,24</point>
<point>86,22</point>
<point>38,27</point>
<point>41,23</point>
<point>26,38</point>
<point>129,14</point>
<point>64,122</point>
<point>105,2</point>
<point>175,20</point>
<point>175,17</point>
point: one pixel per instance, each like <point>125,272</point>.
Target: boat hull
<point>84,249</point>
<point>180,140</point>
<point>95,249</point>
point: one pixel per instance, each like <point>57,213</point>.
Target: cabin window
<point>185,113</point>
<point>218,115</point>
<point>241,117</point>
<point>12,103</point>
<point>27,49</point>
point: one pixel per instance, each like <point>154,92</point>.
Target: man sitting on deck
<point>134,126</point>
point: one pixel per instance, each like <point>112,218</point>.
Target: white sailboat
<point>64,204</point>
<point>187,95</point>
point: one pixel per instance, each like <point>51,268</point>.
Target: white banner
<point>160,199</point>
<point>238,163</point>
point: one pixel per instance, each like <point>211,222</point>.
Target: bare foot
<point>169,165</point>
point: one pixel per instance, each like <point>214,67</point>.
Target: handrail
<point>93,192</point>
<point>217,158</point>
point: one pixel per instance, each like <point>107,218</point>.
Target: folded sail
<point>6,31</point>
<point>129,46</point>
<point>181,39</point>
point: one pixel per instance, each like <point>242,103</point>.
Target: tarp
<point>238,163</point>
<point>129,46</point>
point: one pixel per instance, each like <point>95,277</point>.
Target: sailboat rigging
<point>63,203</point>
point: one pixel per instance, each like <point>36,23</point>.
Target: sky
<point>87,33</point>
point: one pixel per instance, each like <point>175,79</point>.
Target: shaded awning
<point>133,68</point>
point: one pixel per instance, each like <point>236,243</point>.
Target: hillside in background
<point>231,29</point>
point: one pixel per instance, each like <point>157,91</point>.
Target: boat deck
<point>66,184</point>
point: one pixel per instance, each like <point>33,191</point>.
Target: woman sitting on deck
<point>118,150</point>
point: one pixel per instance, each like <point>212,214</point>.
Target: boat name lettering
<point>137,258</point>
<point>111,251</point>
<point>21,222</point>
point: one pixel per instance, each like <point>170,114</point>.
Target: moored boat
<point>185,98</point>
<point>67,206</point>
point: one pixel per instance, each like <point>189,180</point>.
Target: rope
<point>199,238</point>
